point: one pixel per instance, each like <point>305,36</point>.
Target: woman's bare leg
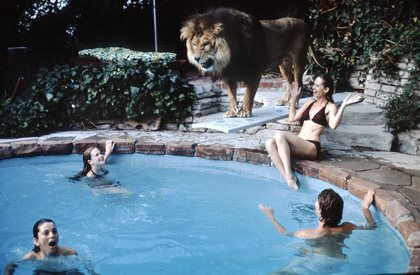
<point>273,152</point>
<point>284,154</point>
<point>289,145</point>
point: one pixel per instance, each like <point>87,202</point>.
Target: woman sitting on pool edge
<point>329,209</point>
<point>314,116</point>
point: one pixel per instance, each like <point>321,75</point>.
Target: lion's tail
<point>314,56</point>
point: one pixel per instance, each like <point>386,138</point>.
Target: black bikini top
<point>104,171</point>
<point>319,118</point>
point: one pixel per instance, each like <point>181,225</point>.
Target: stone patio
<point>395,176</point>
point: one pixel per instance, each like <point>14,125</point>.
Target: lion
<point>234,46</point>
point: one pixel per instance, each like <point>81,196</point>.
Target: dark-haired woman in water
<point>46,248</point>
<point>45,245</point>
<point>323,244</point>
<point>46,242</point>
<point>329,209</point>
<point>315,115</point>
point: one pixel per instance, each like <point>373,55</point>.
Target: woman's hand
<point>368,198</point>
<point>268,211</point>
<point>352,98</point>
<point>109,146</point>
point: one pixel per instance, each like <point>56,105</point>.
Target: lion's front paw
<point>230,113</point>
<point>244,113</point>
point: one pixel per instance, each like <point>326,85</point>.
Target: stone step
<point>370,136</point>
<point>363,114</point>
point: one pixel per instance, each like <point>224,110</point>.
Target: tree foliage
<point>357,32</point>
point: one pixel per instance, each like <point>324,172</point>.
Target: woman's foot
<point>292,182</point>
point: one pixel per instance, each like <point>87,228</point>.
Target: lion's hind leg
<point>287,73</point>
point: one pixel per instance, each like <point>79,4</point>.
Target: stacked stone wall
<point>378,91</point>
<point>212,97</point>
<point>208,99</point>
<point>285,125</point>
<point>358,78</point>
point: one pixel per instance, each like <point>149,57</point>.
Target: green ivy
<point>402,111</point>
<point>70,96</point>
<point>357,32</point>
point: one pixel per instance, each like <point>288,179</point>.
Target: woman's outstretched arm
<point>109,147</point>
<point>334,116</point>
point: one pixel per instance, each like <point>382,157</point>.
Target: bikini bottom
<point>318,147</point>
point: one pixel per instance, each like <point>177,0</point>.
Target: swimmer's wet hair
<point>330,207</point>
<point>86,156</point>
<point>35,231</point>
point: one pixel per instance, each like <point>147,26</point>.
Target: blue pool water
<point>182,216</point>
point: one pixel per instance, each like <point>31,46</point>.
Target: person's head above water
<point>46,242</point>
<point>93,159</point>
<point>329,208</point>
<point>45,236</point>
<point>92,156</point>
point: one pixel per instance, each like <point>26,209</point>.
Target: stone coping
<point>398,215</point>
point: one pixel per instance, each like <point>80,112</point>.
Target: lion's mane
<point>239,40</point>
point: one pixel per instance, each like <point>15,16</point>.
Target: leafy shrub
<point>122,55</point>
<point>353,32</point>
<point>402,111</point>
<point>69,96</point>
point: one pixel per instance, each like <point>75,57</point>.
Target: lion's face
<point>206,49</point>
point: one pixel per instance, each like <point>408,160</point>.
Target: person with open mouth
<point>46,247</point>
<point>315,115</point>
<point>46,240</point>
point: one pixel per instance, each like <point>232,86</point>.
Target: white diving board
<point>259,117</point>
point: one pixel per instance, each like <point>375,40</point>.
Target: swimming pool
<point>184,215</point>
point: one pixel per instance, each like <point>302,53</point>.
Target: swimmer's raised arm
<point>109,147</point>
<point>269,212</point>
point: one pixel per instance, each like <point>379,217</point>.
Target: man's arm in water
<point>269,212</point>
